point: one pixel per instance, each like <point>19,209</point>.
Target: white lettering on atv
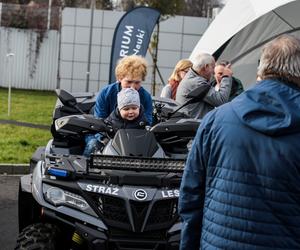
<point>88,188</point>
<point>102,189</point>
<point>108,190</point>
<point>115,191</point>
<point>170,193</point>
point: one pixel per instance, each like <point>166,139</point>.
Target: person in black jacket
<point>129,114</point>
<point>237,86</point>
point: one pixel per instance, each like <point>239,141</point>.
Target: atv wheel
<point>38,236</point>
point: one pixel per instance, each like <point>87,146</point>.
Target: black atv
<point>124,197</point>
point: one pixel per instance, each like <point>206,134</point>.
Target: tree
<point>200,8</point>
<point>100,4</point>
<point>104,4</point>
<point>166,7</point>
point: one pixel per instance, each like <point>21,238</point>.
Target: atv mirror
<point>66,98</point>
<point>194,96</point>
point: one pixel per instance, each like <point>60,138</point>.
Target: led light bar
<point>136,163</point>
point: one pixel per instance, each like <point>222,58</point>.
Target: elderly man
<point>201,73</point>
<point>240,187</point>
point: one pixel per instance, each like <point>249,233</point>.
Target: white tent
<point>241,29</point>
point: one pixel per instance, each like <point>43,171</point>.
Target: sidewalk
<point>9,169</point>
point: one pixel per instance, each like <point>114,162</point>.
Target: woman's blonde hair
<point>132,66</point>
<point>183,64</point>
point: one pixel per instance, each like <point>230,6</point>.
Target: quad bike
<point>122,198</point>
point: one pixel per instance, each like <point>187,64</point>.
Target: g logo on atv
<point>140,194</point>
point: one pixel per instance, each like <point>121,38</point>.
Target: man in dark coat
<point>237,86</point>
<point>241,183</point>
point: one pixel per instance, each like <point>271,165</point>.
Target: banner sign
<point>132,35</point>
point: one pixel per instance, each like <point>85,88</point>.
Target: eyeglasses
<point>133,81</point>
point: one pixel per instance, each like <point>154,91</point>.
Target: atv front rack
<point>98,162</point>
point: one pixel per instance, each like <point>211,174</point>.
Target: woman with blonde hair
<point>181,68</point>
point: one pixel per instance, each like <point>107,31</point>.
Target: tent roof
<point>235,15</point>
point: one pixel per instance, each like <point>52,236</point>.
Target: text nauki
<point>127,38</point>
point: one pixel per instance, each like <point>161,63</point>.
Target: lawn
<point>17,144</point>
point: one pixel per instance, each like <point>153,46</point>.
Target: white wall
<point>178,36</point>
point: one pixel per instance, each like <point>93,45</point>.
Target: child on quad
<point>129,114</point>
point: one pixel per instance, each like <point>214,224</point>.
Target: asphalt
<point>9,186</point>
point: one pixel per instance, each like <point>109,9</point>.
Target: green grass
<point>17,144</point>
<point>28,105</point>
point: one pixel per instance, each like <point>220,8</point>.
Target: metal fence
<point>29,59</point>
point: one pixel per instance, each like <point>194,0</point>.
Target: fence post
<point>10,68</point>
<point>0,13</point>
<point>49,15</point>
<point>88,72</point>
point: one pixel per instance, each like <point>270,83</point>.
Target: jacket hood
<point>271,107</point>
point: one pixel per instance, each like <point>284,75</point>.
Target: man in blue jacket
<point>241,184</point>
<point>130,72</point>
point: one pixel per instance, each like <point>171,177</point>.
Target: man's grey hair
<point>202,59</point>
<point>281,59</point>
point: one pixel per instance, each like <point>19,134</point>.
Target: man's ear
<point>201,70</point>
<point>206,67</point>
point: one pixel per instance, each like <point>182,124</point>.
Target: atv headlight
<point>59,197</point>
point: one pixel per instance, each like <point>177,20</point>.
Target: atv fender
<point>28,208</point>
<point>36,157</point>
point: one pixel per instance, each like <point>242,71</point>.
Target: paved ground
<point>8,211</point>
